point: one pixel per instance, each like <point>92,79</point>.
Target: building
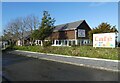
<point>74,33</point>
<point>3,44</point>
<point>26,39</point>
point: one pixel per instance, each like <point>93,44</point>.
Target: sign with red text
<point>104,40</point>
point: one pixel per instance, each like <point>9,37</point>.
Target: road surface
<point>20,68</point>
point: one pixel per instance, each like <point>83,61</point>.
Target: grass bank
<point>83,51</point>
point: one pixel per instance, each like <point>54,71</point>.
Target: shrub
<point>47,43</point>
<point>83,51</point>
<point>119,44</point>
<point>75,45</point>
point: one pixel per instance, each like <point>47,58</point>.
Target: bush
<point>47,43</point>
<point>88,44</point>
<point>75,45</point>
<point>119,44</point>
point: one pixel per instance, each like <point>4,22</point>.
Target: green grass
<point>83,51</point>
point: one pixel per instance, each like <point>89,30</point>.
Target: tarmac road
<point>20,68</point>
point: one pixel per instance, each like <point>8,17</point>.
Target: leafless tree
<point>32,23</point>
<point>17,28</point>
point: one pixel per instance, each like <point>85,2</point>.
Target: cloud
<point>95,4</point>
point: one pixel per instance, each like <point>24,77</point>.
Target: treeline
<point>17,28</point>
<point>102,28</point>
<point>31,26</point>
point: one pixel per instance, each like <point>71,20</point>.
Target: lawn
<point>83,51</point>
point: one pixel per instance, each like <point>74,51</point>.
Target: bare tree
<point>32,23</point>
<point>16,29</point>
<point>10,31</point>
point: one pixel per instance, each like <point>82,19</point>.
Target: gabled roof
<point>68,26</point>
<point>62,27</point>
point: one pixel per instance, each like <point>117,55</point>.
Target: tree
<point>31,23</point>
<point>35,34</point>
<point>11,31</point>
<point>16,29</point>
<point>46,27</point>
<point>102,28</point>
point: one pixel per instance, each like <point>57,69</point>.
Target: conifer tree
<point>102,28</point>
<point>46,27</point>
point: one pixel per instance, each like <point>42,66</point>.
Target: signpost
<point>104,40</point>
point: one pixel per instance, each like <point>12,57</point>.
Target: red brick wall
<point>70,34</point>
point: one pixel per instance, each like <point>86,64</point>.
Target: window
<point>65,42</point>
<point>39,42</point>
<point>73,42</point>
<point>56,42</point>
<point>69,42</point>
<point>79,42</point>
<point>53,42</point>
<point>82,42</point>
<point>59,42</point>
<point>62,42</point>
<point>89,41</point>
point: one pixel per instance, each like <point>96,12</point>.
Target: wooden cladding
<point>69,34</point>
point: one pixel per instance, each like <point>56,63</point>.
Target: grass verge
<point>82,51</point>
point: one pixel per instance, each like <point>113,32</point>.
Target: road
<point>20,68</point>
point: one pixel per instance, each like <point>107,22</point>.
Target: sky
<point>64,12</point>
<point>119,21</point>
<point>60,0</point>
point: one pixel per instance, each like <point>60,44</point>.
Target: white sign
<point>81,33</point>
<point>104,40</point>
